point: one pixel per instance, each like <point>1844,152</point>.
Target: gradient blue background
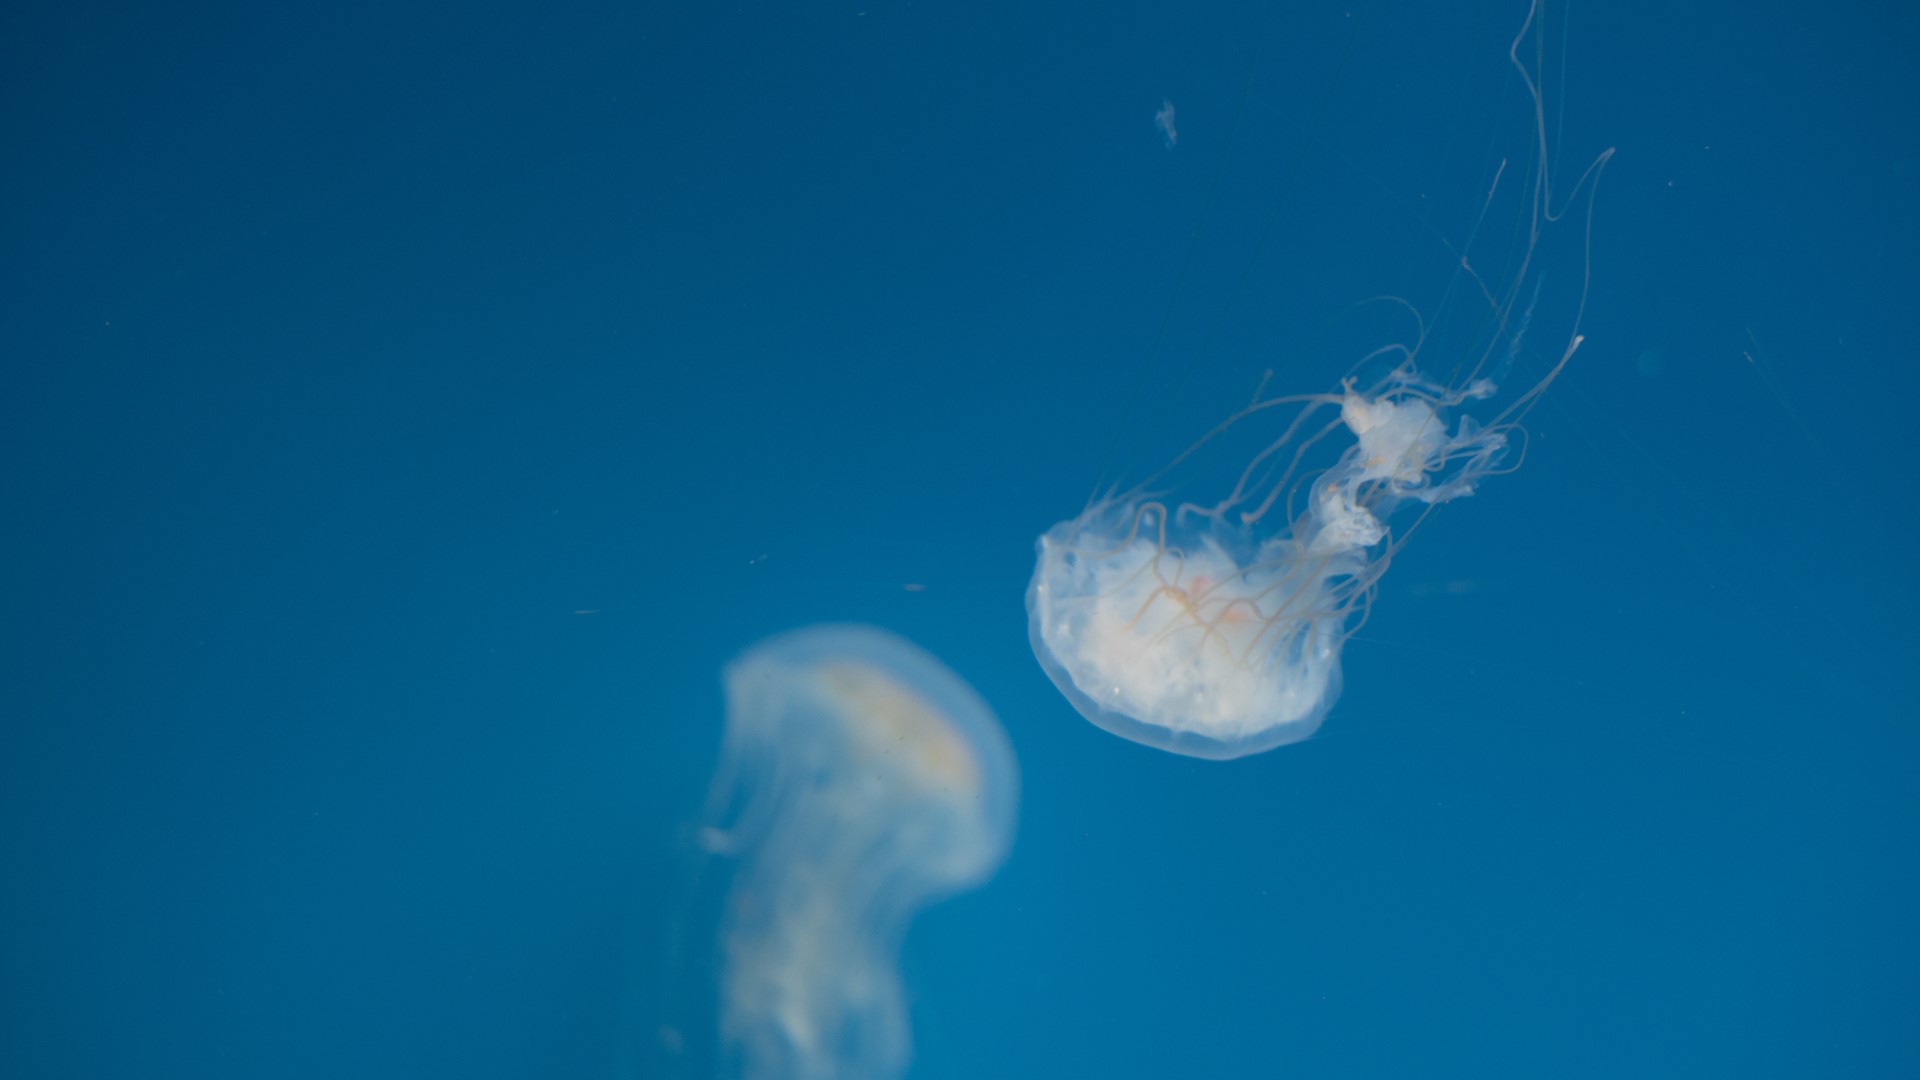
<point>350,352</point>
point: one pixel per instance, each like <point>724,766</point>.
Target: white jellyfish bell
<point>1212,627</point>
<point>1198,630</point>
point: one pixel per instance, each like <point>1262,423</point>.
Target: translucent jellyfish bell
<point>1205,630</point>
<point>860,779</point>
<point>1213,627</point>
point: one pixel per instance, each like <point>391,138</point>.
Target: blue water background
<point>405,410</point>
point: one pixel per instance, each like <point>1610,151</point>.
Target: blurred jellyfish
<point>1213,627</point>
<point>860,779</point>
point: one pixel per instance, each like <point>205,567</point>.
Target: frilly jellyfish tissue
<point>1201,629</point>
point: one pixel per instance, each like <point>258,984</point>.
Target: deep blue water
<point>405,410</point>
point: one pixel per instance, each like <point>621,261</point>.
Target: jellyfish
<point>1202,630</point>
<point>1211,625</point>
<point>860,779</point>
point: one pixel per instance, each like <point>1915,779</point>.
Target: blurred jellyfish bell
<point>860,779</point>
<point>1207,619</point>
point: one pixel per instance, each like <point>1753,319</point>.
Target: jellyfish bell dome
<point>1182,667</point>
<point>1214,630</point>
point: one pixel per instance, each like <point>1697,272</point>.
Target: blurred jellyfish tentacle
<point>1512,353</point>
<point>1213,627</point>
<point>860,779</point>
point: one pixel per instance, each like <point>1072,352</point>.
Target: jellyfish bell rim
<point>1187,743</point>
